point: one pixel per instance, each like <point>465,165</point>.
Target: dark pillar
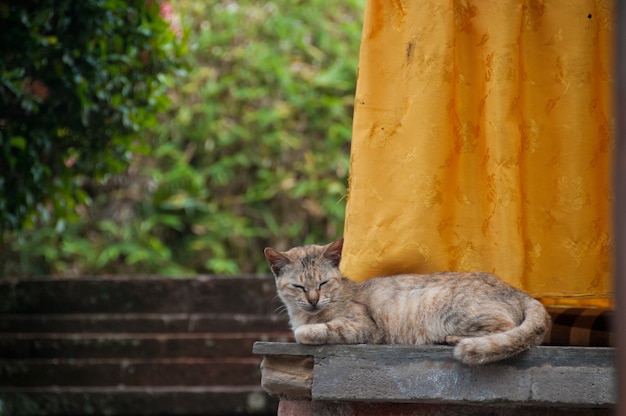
<point>620,205</point>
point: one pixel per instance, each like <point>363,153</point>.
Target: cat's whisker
<point>276,304</point>
<point>281,310</point>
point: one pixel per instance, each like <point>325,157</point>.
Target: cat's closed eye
<point>323,283</point>
<point>299,287</point>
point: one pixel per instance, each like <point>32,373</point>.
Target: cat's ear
<point>333,252</point>
<point>276,259</point>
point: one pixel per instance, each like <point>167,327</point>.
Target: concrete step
<point>139,401</point>
<point>130,372</point>
<point>143,322</point>
<point>132,345</point>
<point>129,345</point>
<point>148,294</point>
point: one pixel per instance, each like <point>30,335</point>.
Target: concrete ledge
<point>563,377</point>
<point>321,408</point>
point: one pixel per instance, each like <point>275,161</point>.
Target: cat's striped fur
<point>487,319</point>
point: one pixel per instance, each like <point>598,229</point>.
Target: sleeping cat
<point>486,319</point>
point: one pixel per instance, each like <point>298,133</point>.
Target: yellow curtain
<point>483,133</point>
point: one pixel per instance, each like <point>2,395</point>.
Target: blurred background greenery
<point>251,149</point>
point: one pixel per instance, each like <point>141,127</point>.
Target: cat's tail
<point>494,347</point>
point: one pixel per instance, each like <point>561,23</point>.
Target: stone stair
<point>136,345</point>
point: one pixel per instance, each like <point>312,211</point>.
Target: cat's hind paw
<point>453,339</point>
<point>312,334</point>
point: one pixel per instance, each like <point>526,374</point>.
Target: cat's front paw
<point>312,334</point>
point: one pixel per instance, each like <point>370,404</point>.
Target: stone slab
<point>542,376</point>
<point>287,376</point>
<point>322,408</point>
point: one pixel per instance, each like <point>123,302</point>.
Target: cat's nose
<point>313,302</point>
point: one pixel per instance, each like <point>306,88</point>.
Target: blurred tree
<point>79,82</point>
<point>254,150</point>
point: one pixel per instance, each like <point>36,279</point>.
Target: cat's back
<point>413,308</point>
<point>448,281</point>
<point>391,290</point>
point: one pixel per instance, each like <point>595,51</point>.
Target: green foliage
<point>79,81</point>
<point>254,150</point>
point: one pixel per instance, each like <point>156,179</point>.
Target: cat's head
<point>308,277</point>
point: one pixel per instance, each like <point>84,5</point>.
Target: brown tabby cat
<point>485,318</point>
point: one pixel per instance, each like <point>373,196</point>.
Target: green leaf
<point>18,142</point>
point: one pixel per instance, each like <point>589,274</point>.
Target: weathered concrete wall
<point>137,345</point>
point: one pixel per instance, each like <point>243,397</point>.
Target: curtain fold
<point>482,140</point>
